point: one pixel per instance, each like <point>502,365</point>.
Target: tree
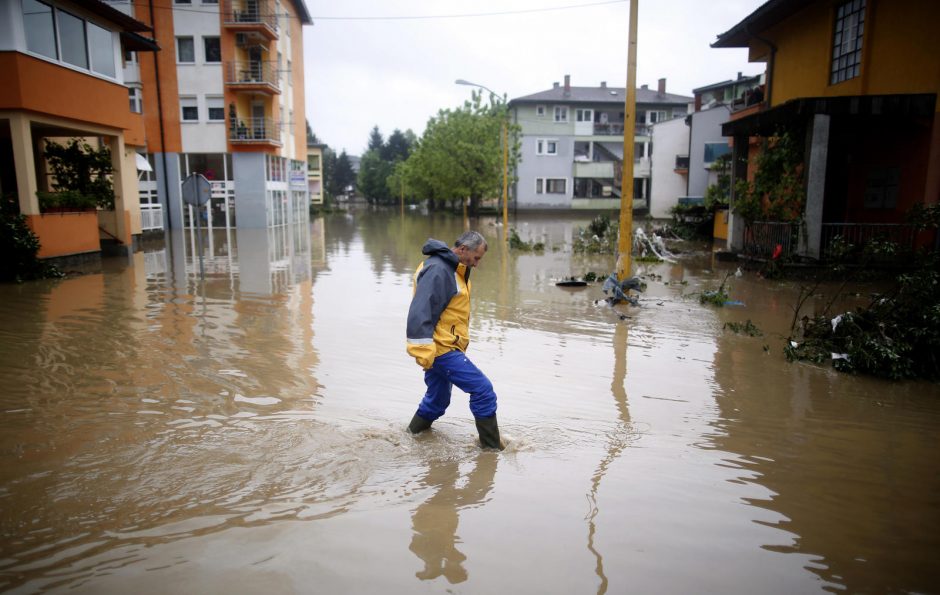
<point>376,142</point>
<point>343,177</point>
<point>80,168</point>
<point>398,146</point>
<point>373,172</point>
<point>311,135</point>
<point>460,153</point>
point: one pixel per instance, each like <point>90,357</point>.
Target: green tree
<point>373,172</point>
<point>79,167</point>
<point>717,194</point>
<point>398,146</point>
<point>460,153</point>
<point>343,177</point>
<point>777,192</point>
<point>376,142</point>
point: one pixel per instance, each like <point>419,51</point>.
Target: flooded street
<point>246,433</point>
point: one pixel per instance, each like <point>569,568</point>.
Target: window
<point>715,150</point>
<point>657,116</point>
<point>182,1</point>
<point>72,39</point>
<point>550,185</point>
<point>101,44</point>
<point>215,106</point>
<point>210,1</point>
<point>313,162</point>
<point>189,109</point>
<point>847,41</point>
<point>881,191</point>
<point>290,74</point>
<point>584,115</point>
<point>546,146</point>
<point>540,111</point>
<point>561,113</point>
<point>185,50</point>
<point>638,149</point>
<point>136,101</point>
<point>213,50</point>
<point>40,28</point>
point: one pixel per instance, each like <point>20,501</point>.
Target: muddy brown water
<point>245,433</point>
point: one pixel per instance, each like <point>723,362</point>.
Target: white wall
<point>200,79</point>
<point>670,138</point>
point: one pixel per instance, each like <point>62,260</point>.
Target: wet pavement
<point>245,432</point>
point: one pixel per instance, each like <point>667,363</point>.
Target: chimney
<point>567,85</point>
<point>603,84</point>
<point>645,87</point>
<point>661,89</point>
<point>555,85</point>
<point>739,75</point>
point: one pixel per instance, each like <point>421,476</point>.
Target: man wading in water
<point>438,328</point>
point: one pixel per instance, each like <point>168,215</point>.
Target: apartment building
<point>62,78</point>
<point>572,144</point>
<point>315,172</point>
<point>225,99</point>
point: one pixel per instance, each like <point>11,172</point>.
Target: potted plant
<point>66,201</point>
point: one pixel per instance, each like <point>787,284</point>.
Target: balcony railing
<point>250,15</point>
<point>253,76</point>
<point>682,162</point>
<point>255,130</point>
<point>616,129</point>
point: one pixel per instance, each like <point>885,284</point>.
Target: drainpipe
<point>770,63</point>
<point>156,69</point>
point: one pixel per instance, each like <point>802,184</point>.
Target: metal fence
<point>762,238</point>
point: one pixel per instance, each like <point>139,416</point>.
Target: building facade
<point>225,99</point>
<point>572,144</point>
<point>315,172</point>
<point>63,78</point>
<point>856,81</point>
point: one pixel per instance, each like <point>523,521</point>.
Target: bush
<point>19,246</point>
<point>67,199</point>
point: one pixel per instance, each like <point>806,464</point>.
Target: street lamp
<point>505,134</point>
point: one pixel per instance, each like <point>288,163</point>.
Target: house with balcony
<point>315,172</point>
<point>856,82</point>
<point>225,99</point>
<point>572,144</point>
<point>63,78</point>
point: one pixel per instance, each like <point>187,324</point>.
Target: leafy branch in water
<point>715,297</point>
<point>743,328</point>
<point>517,243</point>
<point>600,236</point>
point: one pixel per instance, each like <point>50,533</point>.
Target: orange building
<point>61,65</point>
<point>857,80</point>
<point>224,98</point>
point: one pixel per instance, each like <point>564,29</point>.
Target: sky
<point>367,65</point>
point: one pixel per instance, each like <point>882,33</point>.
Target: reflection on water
<point>243,430</point>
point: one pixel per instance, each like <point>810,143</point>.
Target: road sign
<point>196,190</point>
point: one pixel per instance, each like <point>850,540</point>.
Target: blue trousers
<point>454,368</point>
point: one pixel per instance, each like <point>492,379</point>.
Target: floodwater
<point>244,431</point>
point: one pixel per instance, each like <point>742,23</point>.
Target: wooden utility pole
<point>625,245</point>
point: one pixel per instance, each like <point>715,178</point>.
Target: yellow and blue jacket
<point>439,316</point>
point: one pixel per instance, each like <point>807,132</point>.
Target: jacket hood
<point>438,248</point>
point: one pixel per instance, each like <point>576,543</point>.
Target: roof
<point>302,12</point>
<point>106,11</point>
<point>766,15</point>
<point>728,83</point>
<point>600,95</point>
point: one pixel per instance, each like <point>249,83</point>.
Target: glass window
<point>72,39</point>
<point>539,185</point>
<point>555,185</point>
<point>561,113</point>
<point>101,44</point>
<point>216,109</point>
<point>189,109</point>
<point>182,1</point>
<point>210,1</point>
<point>185,50</point>
<point>715,150</point>
<point>313,162</point>
<point>136,101</point>
<point>40,28</point>
<point>847,41</point>
<point>540,110</point>
<point>584,115</point>
<point>213,49</point>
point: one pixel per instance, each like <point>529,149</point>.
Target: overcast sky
<point>397,73</point>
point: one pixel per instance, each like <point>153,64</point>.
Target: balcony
<point>253,77</point>
<point>594,169</point>
<point>682,164</point>
<point>250,16</point>
<point>616,129</point>
<point>255,131</point>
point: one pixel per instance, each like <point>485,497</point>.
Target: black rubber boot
<point>418,424</point>
<point>489,432</point>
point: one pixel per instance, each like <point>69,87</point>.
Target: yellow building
<point>858,80</point>
<point>315,172</point>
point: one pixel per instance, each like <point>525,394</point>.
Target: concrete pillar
<point>815,186</point>
<point>740,152</point>
<point>25,163</point>
<point>119,177</point>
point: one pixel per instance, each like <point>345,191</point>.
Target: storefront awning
<point>142,163</point>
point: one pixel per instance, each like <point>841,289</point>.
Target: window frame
<point>185,104</point>
<point>543,185</point>
<point>220,104</point>
<point>560,110</point>
<point>135,97</point>
<point>580,112</point>
<point>846,64</point>
<point>542,146</point>
<point>540,111</point>
<point>205,49</point>
<point>192,41</point>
